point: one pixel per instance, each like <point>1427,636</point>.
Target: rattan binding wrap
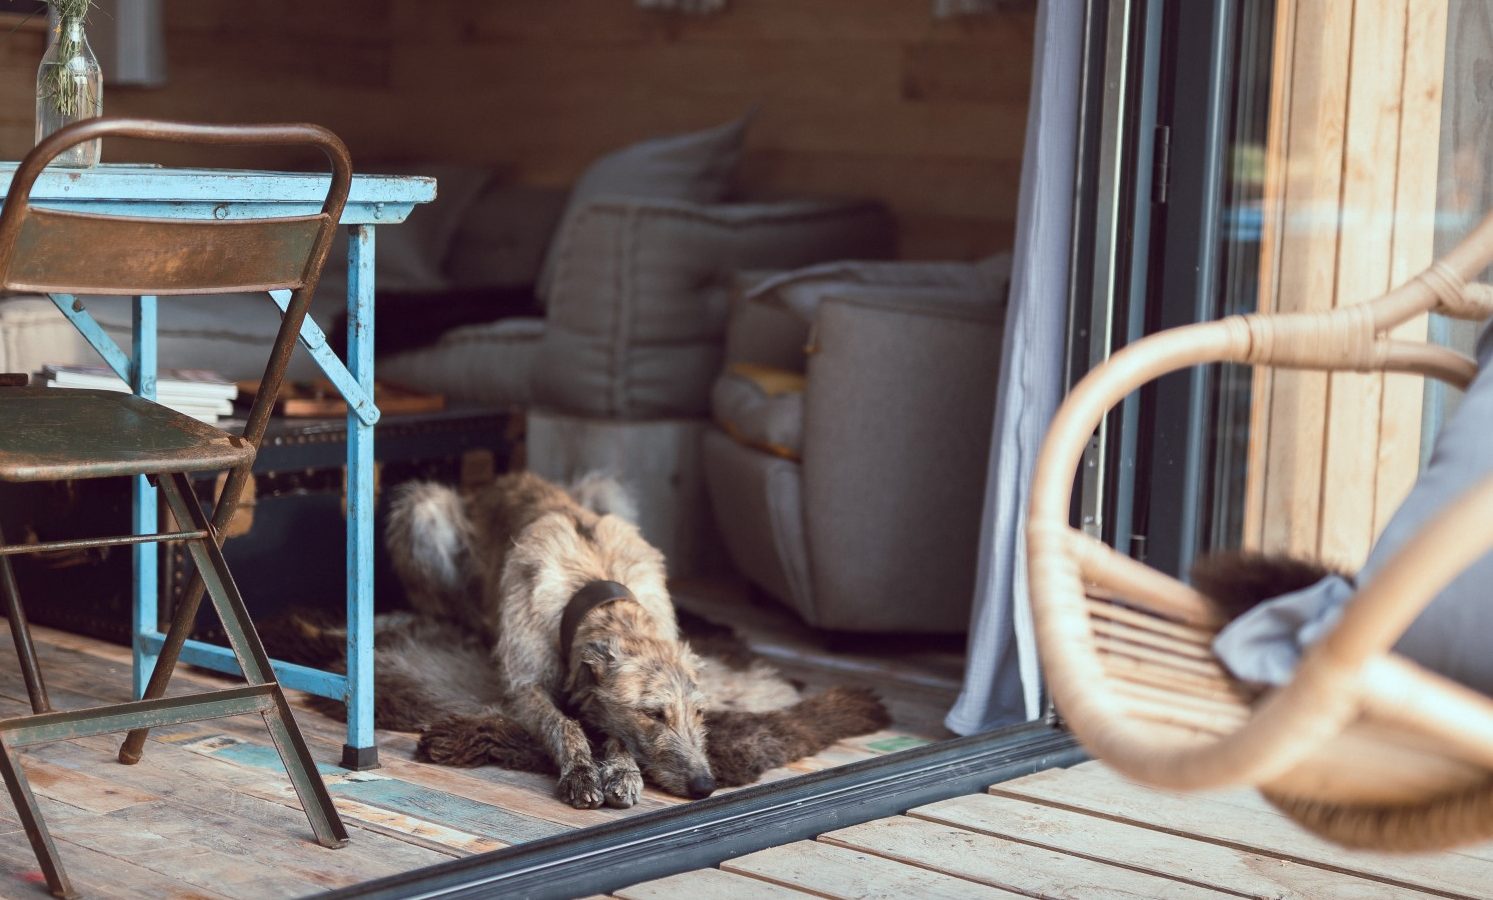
<point>1362,747</point>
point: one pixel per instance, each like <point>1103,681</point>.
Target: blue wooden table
<point>219,194</point>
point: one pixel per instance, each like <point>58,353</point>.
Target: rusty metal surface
<point>87,543</point>
<point>53,434</point>
<point>133,257</point>
<point>48,434</point>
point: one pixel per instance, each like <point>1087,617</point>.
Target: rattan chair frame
<point>1362,746</point>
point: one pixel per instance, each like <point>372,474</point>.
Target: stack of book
<point>199,393</point>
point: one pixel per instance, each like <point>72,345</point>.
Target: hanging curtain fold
<point>1001,684</point>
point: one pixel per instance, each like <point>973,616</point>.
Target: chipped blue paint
<point>221,659</point>
<point>143,190</point>
<point>144,558</point>
<point>315,342</point>
<point>360,250</point>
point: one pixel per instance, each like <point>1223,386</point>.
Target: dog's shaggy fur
<point>479,665</point>
<point>1238,581</point>
<point>502,564</point>
<point>423,682</point>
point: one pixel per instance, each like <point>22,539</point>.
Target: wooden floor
<point>209,812</point>
<point>1081,833</point>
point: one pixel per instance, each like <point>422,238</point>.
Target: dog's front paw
<point>622,784</point>
<point>580,786</point>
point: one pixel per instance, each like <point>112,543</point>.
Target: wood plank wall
<point>853,97</point>
<point>1355,134</point>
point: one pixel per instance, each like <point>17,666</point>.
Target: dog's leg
<point>621,779</point>
<point>566,743</point>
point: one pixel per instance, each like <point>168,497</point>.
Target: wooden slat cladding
<point>860,97</point>
<point>1354,138</point>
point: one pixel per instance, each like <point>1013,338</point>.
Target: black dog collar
<point>593,595</point>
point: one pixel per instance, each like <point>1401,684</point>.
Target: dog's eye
<point>656,715</point>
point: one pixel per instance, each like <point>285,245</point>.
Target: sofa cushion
<point>638,309</point>
<point>981,284</point>
<point>696,167</point>
<point>761,407</point>
<point>488,363</point>
<point>1450,635</point>
<point>502,240</point>
<point>33,333</point>
<point>758,503</point>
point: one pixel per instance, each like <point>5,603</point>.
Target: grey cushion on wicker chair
<point>1451,635</point>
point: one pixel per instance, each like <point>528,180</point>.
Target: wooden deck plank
<point>93,873</point>
<point>393,794</point>
<point>709,884</point>
<point>237,824</point>
<point>189,779</point>
<point>1000,863</point>
<point>1159,853</point>
<point>81,789</point>
<point>831,871</point>
<point>1239,819</point>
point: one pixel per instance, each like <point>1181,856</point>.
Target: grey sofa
<point>853,493</point>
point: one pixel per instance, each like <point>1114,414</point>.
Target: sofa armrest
<point>638,307</point>
<point>898,409</point>
<point>800,292</point>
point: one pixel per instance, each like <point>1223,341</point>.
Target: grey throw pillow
<point>697,167</point>
<point>1451,635</point>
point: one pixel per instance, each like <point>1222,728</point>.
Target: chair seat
<point>51,433</point>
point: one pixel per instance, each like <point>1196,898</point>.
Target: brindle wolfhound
<point>573,604</point>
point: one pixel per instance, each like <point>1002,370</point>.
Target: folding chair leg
<point>20,632</point>
<point>182,620</point>
<point>31,820</point>
<point>244,640</point>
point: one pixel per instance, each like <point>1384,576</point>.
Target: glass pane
<point>1359,140</point>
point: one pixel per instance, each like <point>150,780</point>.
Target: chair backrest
<point>63,252</point>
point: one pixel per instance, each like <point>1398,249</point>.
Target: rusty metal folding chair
<point>55,434</point>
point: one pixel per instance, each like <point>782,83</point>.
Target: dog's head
<point>642,691</point>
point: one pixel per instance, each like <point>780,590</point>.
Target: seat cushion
<point>758,504</point>
<point>1450,635</point>
<point>697,167</point>
<point>490,363</point>
<point>55,433</point>
<point>761,407</point>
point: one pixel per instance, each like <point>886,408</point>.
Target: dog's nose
<point>700,786</point>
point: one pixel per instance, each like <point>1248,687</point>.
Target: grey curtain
<point>1001,681</point>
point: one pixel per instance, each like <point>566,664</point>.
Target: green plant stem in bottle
<point>69,84</point>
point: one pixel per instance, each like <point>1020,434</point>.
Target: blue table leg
<point>143,508</point>
<point>361,750</point>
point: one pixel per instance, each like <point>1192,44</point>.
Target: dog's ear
<point>598,657</point>
<point>691,660</point>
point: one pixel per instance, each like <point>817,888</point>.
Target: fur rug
<point>757,719</point>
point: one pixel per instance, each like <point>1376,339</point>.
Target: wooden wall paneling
<point>1414,241</point>
<point>1351,177</point>
<point>1365,235</point>
<point>1307,266</point>
<point>854,97</point>
<point>1272,235</point>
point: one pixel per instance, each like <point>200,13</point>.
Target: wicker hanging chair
<point>1362,747</point>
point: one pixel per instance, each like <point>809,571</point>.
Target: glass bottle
<point>69,88</point>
